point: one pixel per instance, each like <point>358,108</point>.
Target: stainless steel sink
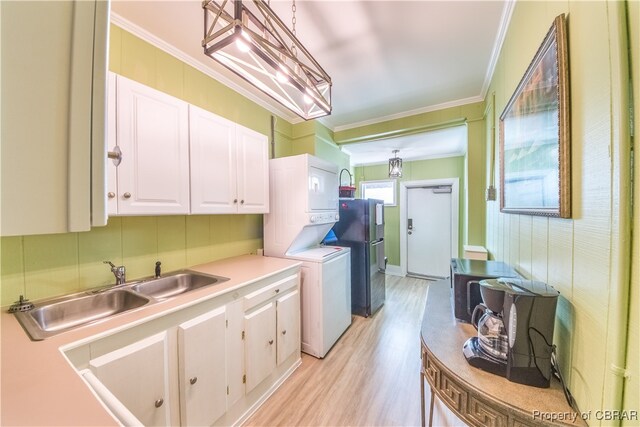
<point>72,311</point>
<point>175,284</point>
<point>58,315</point>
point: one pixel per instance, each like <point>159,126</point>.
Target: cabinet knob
<point>193,380</point>
<point>270,342</point>
<point>159,402</point>
<point>284,332</point>
<point>242,202</point>
<point>277,290</point>
<point>111,194</point>
<point>235,201</point>
<point>127,195</point>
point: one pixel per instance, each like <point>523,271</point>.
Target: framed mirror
<point>535,140</point>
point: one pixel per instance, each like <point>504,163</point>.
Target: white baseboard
<point>394,270</point>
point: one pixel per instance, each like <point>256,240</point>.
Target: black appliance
<point>361,228</point>
<point>465,287</point>
<point>515,332</point>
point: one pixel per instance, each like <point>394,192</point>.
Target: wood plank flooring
<point>369,378</point>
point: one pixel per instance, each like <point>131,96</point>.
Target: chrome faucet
<point>120,273</point>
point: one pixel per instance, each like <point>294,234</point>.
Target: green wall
<point>471,171</point>
<point>43,266</point>
<point>449,167</point>
<point>587,257</point>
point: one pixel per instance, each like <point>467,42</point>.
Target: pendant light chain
<point>293,26</point>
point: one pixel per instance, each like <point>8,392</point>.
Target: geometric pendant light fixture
<point>248,38</point>
<point>395,165</point>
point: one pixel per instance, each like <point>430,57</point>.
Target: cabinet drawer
<point>263,294</point>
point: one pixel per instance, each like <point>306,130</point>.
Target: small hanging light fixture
<point>395,165</point>
<point>248,38</point>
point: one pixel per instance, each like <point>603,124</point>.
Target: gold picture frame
<point>535,135</point>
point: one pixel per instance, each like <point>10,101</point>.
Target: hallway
<point>371,376</point>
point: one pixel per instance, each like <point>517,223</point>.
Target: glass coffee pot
<point>492,335</point>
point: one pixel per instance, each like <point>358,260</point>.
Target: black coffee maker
<point>515,325</point>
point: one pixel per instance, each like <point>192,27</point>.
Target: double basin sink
<point>62,314</point>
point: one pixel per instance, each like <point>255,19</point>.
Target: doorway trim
<point>455,203</point>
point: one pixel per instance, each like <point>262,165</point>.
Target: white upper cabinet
<point>180,159</point>
<point>229,166</point>
<point>253,171</point>
<point>153,134</point>
<point>53,126</point>
<point>213,163</point>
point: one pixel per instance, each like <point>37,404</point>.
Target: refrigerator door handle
<point>377,242</point>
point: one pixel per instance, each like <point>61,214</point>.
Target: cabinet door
<point>288,324</point>
<point>201,359</point>
<point>260,347</point>
<point>137,375</point>
<point>51,122</point>
<point>153,135</point>
<point>112,142</point>
<point>253,171</point>
<point>213,159</point>
<point>235,352</point>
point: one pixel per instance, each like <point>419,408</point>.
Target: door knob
<point>127,195</point>
<point>159,402</point>
<point>410,232</point>
<point>193,380</point>
<point>270,342</point>
<point>284,332</point>
<point>235,200</point>
<point>242,202</point>
<point>111,194</point>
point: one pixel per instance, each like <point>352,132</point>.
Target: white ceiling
<point>429,145</point>
<point>387,59</point>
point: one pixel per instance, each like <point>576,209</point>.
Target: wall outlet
<point>490,193</point>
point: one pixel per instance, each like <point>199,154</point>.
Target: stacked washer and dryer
<point>303,207</point>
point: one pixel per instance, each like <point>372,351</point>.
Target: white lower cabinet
<point>272,327</point>
<point>204,365</point>
<point>138,376</point>
<point>202,368</point>
<point>288,324</point>
<point>260,330</point>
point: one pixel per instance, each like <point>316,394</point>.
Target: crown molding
<point>505,19</point>
<point>152,39</point>
<point>409,113</point>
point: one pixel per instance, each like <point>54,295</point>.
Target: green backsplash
<point>43,266</point>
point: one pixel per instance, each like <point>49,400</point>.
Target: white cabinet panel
<point>153,135</point>
<point>201,356</point>
<point>253,171</point>
<point>288,324</point>
<point>235,352</point>
<point>229,166</point>
<point>260,348</point>
<point>138,376</point>
<point>112,142</point>
<point>213,158</point>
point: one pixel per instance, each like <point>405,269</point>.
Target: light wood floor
<point>371,377</point>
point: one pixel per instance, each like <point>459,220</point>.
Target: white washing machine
<point>303,200</point>
<point>325,288</point>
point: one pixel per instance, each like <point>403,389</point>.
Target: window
<point>382,190</point>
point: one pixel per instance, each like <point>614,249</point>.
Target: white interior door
<point>429,231</point>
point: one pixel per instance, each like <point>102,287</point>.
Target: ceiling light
<point>395,165</point>
<point>269,56</point>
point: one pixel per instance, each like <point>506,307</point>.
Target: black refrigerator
<point>361,228</point>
